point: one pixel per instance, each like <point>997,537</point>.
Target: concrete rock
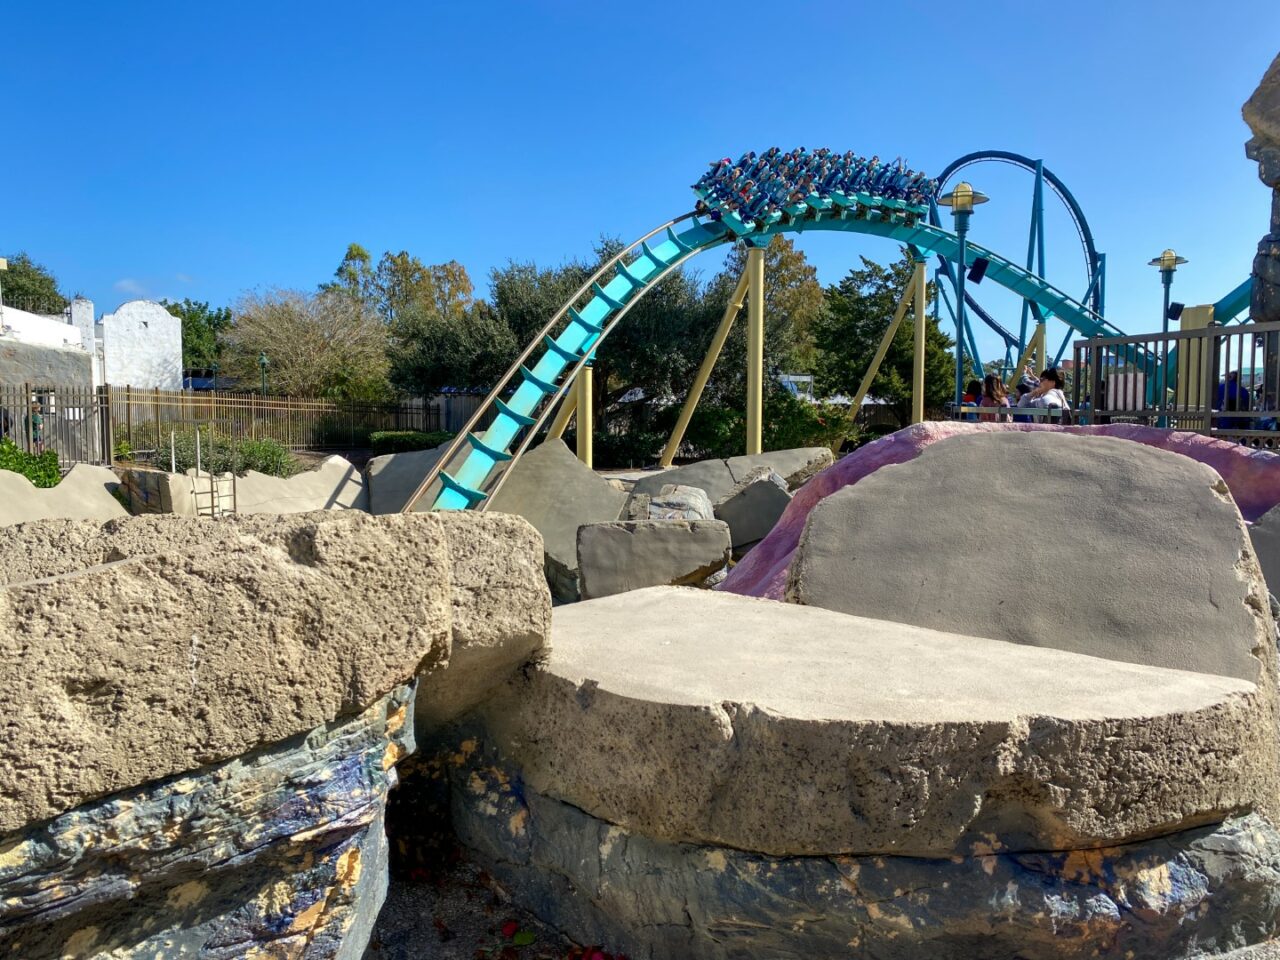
<point>897,546</point>
<point>1265,537</point>
<point>391,479</point>
<point>153,646</point>
<point>754,506</point>
<point>333,485</point>
<point>674,502</point>
<point>711,476</point>
<point>792,730</point>
<point>1262,113</point>
<point>1207,889</point>
<point>501,612</point>
<point>85,493</point>
<point>637,507</point>
<point>557,493</point>
<point>280,852</point>
<point>795,466</point>
<point>630,554</point>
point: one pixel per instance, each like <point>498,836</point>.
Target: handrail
<point>535,342</point>
<point>569,378</point>
<point>1196,333</point>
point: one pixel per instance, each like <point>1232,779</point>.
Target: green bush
<point>40,468</point>
<point>401,441</point>
<point>122,450</point>
<point>222,455</point>
<point>790,422</point>
<point>622,451</point>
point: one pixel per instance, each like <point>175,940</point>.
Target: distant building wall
<point>38,329</point>
<point>142,346</point>
<point>43,366</point>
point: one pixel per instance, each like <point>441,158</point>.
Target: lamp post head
<point>262,359</point>
<point>963,198</point>
<point>1167,261</point>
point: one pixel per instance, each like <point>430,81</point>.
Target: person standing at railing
<point>35,424</point>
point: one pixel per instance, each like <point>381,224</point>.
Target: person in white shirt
<point>1048,392</point>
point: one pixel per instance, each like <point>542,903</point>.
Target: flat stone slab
<point>702,717</point>
<point>157,645</point>
<point>711,476</point>
<point>85,493</point>
<point>392,478</point>
<point>631,554</point>
<point>1115,549</point>
<point>795,466</point>
<point>754,506</point>
<point>333,485</point>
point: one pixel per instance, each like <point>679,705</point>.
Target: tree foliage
<point>30,286</point>
<point>202,329</point>
<point>322,344</point>
<point>858,311</point>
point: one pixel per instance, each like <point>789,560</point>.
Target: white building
<point>139,345</point>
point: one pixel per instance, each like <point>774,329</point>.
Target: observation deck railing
<point>1222,381</point>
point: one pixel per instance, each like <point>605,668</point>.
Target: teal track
<point>537,387</point>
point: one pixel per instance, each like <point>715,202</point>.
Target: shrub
<point>40,468</point>
<point>790,422</point>
<point>622,451</point>
<point>122,450</point>
<point>221,455</point>
<point>401,441</point>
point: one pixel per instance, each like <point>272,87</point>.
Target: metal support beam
<point>755,350</point>
<point>921,283</point>
<point>1035,348</point>
<point>567,407</point>
<point>704,372</point>
<point>585,414</point>
<point>907,296</point>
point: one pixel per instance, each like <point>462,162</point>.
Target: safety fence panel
<point>1223,381</point>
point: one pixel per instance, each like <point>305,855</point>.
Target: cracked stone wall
<point>1262,114</point>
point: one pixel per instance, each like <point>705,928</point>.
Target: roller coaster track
<point>472,468</point>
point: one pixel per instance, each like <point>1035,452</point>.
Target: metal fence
<point>86,425</point>
<point>1223,381</point>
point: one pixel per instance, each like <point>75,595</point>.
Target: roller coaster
<point>471,470</point>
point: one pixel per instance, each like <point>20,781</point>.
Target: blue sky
<point>164,149</point>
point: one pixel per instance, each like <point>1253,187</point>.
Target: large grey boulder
<point>333,485</point>
<point>1188,894</point>
<point>753,506</point>
<point>1116,550</point>
<point>1265,537</point>
<point>794,466</point>
<point>630,554</point>
<point>711,476</point>
<point>85,493</point>
<point>501,612</point>
<point>280,852</point>
<point>711,718</point>
<point>557,493</point>
<point>159,645</point>
<point>392,478</point>
<point>1262,114</point>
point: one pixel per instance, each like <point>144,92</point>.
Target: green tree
<point>30,286</point>
<point>793,301</point>
<point>202,329</point>
<point>458,347</point>
<point>323,344</point>
<point>847,333</point>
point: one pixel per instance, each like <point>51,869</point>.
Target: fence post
<point>26,414</point>
<point>1210,346</point>
<point>109,427</point>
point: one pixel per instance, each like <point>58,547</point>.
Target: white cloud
<point>182,277</point>
<point>131,286</point>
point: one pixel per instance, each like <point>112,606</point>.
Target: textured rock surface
<point>753,506</point>
<point>674,502</point>
<point>1207,889</point>
<point>1253,477</point>
<point>793,730</point>
<point>557,493</point>
<point>391,479</point>
<point>155,645</point>
<point>1262,114</point>
<point>893,547</point>
<point>795,466</point>
<point>711,476</point>
<point>333,485</point>
<point>278,853</point>
<point>1265,537</point>
<point>501,611</point>
<point>630,554</point>
<point>85,493</point>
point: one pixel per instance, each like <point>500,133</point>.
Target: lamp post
<point>962,199</point>
<point>1168,262</point>
<point>215,376</point>
<point>262,365</point>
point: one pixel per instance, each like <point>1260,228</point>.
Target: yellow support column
<point>907,296</point>
<point>567,406</point>
<point>585,424</point>
<point>704,372</point>
<point>919,282</point>
<point>755,350</point>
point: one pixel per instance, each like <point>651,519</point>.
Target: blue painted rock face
<point>1211,888</point>
<point>279,852</point>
